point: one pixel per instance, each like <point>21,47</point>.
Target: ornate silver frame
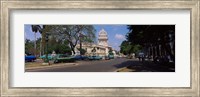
<point>8,5</point>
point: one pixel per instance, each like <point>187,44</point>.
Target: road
<point>89,66</point>
<point>107,66</point>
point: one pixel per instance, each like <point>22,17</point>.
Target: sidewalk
<point>147,66</point>
<point>40,66</point>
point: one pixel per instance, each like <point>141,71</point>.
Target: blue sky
<point>116,33</point>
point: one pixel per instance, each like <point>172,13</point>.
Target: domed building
<point>100,49</point>
<point>103,38</point>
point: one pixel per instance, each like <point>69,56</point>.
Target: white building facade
<point>101,48</point>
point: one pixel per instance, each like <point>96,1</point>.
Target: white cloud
<point>119,36</point>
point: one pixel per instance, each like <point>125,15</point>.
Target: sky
<point>116,34</point>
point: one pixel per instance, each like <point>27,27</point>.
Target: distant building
<point>101,48</point>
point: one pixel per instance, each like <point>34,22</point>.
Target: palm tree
<point>35,29</point>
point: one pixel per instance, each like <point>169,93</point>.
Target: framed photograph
<point>100,48</point>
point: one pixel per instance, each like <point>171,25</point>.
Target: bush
<point>82,51</point>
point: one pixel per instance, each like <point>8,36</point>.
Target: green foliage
<point>136,48</point>
<point>29,46</point>
<point>110,52</point>
<point>36,28</point>
<point>150,34</point>
<point>74,34</point>
<point>128,48</point>
<point>153,36</point>
<point>82,51</point>
<point>59,46</point>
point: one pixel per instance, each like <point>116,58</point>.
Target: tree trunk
<point>72,48</point>
<point>41,47</point>
<point>35,45</point>
<point>43,42</point>
<point>80,47</point>
<point>169,52</point>
<point>73,51</point>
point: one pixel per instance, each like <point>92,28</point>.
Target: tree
<point>87,34</point>
<point>110,52</point>
<point>74,34</point>
<point>123,47</point>
<point>35,29</point>
<point>127,48</point>
<point>29,47</point>
<point>82,51</point>
<point>59,46</point>
<point>43,29</point>
<point>155,38</point>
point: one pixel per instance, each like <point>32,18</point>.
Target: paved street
<point>87,66</point>
<point>157,53</point>
<point>107,66</point>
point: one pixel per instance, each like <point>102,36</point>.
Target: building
<point>101,48</point>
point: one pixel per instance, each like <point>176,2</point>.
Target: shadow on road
<point>146,66</point>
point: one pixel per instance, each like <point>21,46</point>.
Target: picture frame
<point>7,6</point>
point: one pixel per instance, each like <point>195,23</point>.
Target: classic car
<point>107,58</point>
<point>111,56</point>
<point>30,58</point>
<point>44,57</point>
<point>63,58</point>
<point>94,57</point>
<point>80,57</point>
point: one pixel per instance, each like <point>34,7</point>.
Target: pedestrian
<point>139,58</point>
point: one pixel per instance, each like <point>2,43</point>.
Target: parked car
<point>111,56</point>
<point>161,60</point>
<point>30,58</point>
<point>107,58</point>
<point>94,58</point>
<point>63,58</point>
<point>44,57</point>
<point>80,57</point>
<point>140,56</point>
